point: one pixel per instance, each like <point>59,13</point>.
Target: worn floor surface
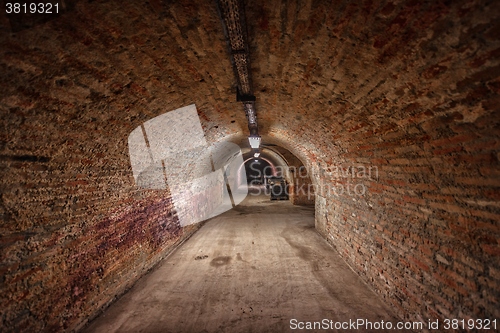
<point>252,269</point>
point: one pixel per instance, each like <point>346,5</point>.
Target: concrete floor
<point>252,269</point>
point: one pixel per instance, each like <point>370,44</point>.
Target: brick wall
<point>410,90</point>
<point>301,188</point>
<point>75,230</point>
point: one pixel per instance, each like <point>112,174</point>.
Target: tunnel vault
<point>285,164</point>
<point>407,89</point>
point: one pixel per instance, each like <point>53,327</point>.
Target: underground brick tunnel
<point>381,118</point>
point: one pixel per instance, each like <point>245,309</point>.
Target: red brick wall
<point>411,89</point>
<point>76,231</point>
<point>301,188</point>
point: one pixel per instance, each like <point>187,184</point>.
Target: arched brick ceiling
<point>344,74</point>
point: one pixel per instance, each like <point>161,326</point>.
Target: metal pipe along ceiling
<point>234,23</point>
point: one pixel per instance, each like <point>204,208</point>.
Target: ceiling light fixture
<point>254,141</point>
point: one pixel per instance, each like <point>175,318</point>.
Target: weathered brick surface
<point>409,89</point>
<point>301,189</point>
<point>76,231</point>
